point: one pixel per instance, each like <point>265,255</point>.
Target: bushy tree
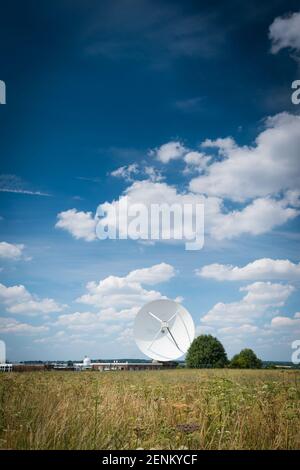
<point>246,359</point>
<point>206,351</point>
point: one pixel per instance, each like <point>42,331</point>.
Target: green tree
<point>206,351</point>
<point>246,359</point>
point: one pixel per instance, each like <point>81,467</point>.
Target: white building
<point>3,366</point>
<point>2,352</point>
<point>116,365</point>
<point>6,367</point>
<point>86,364</point>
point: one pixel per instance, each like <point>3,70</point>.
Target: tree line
<point>206,351</point>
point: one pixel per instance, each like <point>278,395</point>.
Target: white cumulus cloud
<point>154,275</point>
<point>283,323</point>
<point>134,171</point>
<point>195,161</point>
<point>260,216</point>
<point>260,269</point>
<point>266,168</point>
<point>285,32</point>
<point>17,300</point>
<point>11,251</point>
<point>259,300</point>
<point>10,325</point>
<point>126,172</point>
<point>81,225</point>
<point>169,151</point>
<point>117,299</point>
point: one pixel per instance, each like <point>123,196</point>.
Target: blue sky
<point>189,99</point>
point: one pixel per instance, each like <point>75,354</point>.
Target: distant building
<point>108,366</point>
<point>6,367</point>
<point>87,364</point>
<point>2,352</point>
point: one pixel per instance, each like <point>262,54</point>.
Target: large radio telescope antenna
<point>164,330</point>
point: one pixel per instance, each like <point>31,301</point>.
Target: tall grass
<point>188,409</point>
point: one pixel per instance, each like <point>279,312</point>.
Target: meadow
<point>172,409</point>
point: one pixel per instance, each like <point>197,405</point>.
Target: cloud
<point>286,322</point>
<point>126,172</point>
<point>134,171</point>
<point>189,105</point>
<point>63,338</point>
<point>155,32</point>
<point>18,300</point>
<point>169,151</point>
<point>127,292</point>
<point>153,174</point>
<point>271,200</point>
<point>285,32</point>
<point>244,329</point>
<point>267,294</point>
<point>14,184</point>
<point>24,191</point>
<point>154,275</point>
<point>255,320</point>
<point>271,165</point>
<point>259,300</point>
<point>116,300</point>
<point>292,198</point>
<point>10,325</point>
<point>94,179</point>
<point>146,193</point>
<point>80,224</point>
<point>87,322</point>
<point>11,251</point>
<point>260,269</point>
<point>259,217</point>
<point>126,336</point>
<point>256,218</point>
<point>195,161</point>
<point>224,145</point>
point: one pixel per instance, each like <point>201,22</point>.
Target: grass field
<point>175,409</point>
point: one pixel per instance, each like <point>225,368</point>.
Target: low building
<point>60,366</point>
<point>115,365</point>
<point>107,366</point>
<point>86,364</point>
<point>6,367</point>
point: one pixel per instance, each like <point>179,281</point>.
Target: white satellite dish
<point>164,330</point>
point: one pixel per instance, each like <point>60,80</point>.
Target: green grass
<point>175,409</point>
